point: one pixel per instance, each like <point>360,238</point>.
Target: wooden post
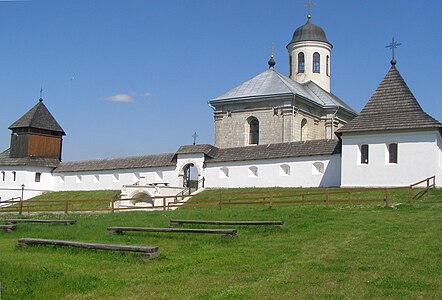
<point>271,199</point>
<point>113,205</point>
<point>428,184</point>
<point>66,207</point>
<point>20,207</point>
<point>411,193</point>
<point>326,198</point>
<point>220,199</point>
<point>386,197</point>
<point>164,203</point>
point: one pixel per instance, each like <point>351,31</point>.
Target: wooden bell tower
<point>36,134</point>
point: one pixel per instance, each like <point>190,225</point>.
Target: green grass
<point>346,251</point>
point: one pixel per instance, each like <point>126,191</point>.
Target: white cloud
<point>147,94</point>
<point>125,98</point>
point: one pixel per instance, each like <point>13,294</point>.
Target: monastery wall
<point>417,153</point>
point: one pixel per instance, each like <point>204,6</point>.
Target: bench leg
<point>111,231</point>
<point>149,256</point>
<point>21,244</point>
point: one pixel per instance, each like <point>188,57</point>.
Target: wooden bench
<point>147,252</point>
<point>8,228</point>
<point>120,230</point>
<point>15,221</point>
<point>203,222</point>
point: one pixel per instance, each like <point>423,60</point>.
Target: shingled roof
<point>38,117</point>
<point>134,162</point>
<point>5,160</point>
<point>392,107</point>
<point>280,150</point>
<point>207,149</point>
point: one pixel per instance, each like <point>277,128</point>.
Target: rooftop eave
<point>249,98</point>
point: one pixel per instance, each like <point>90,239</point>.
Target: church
<point>271,130</point>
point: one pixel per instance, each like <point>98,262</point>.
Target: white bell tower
<point>309,54</point>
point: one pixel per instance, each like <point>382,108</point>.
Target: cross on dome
<point>393,45</point>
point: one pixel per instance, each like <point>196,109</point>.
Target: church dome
<point>309,32</point>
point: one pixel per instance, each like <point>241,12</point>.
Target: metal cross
<point>41,92</point>
<point>194,138</point>
<point>393,45</point>
<point>309,6</point>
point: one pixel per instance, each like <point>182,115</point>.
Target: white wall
<point>24,175</point>
<point>418,156</point>
<point>270,173</point>
<point>111,179</point>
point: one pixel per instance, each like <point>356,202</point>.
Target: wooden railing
<point>430,182</point>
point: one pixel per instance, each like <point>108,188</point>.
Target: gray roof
<point>134,162</point>
<point>38,117</point>
<point>281,150</point>
<point>309,32</point>
<point>271,83</point>
<point>5,160</point>
<point>207,149</point>
<point>392,107</point>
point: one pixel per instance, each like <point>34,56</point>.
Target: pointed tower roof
<point>392,107</point>
<point>38,117</point>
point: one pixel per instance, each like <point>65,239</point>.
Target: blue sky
<point>133,77</point>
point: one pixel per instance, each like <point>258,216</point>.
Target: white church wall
<point>439,173</point>
<point>417,159</point>
<point>111,179</point>
<point>12,188</point>
<point>286,172</point>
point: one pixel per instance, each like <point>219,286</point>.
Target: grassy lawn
<point>358,251</point>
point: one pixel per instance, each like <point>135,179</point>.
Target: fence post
<point>113,205</point>
<point>411,193</point>
<point>271,199</point>
<point>386,197</point>
<point>66,207</point>
<point>326,198</point>
<point>20,206</point>
<point>164,203</point>
<point>428,184</point>
<point>220,200</point>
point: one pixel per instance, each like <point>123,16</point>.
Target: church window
<point>364,154</point>
<point>253,131</point>
<point>284,170</point>
<point>14,176</point>
<point>3,176</point>
<point>224,172</point>
<point>327,65</point>
<point>301,62</point>
<point>318,168</point>
<point>253,171</point>
<point>316,63</point>
<point>303,130</point>
<point>37,177</point>
<point>392,153</point>
<point>290,65</point>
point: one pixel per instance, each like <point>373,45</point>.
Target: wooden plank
<point>275,223</point>
<point>8,228</point>
<point>120,230</point>
<point>14,221</point>
<point>147,251</point>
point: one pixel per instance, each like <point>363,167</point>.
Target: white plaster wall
<point>111,179</point>
<point>302,173</point>
<point>418,156</point>
<point>439,172</point>
<point>24,175</point>
<point>308,48</point>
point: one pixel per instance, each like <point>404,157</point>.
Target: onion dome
<point>309,32</point>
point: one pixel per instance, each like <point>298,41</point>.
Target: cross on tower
<point>41,92</point>
<point>194,138</point>
<point>393,45</point>
<point>309,6</point>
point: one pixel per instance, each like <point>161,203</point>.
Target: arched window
<point>364,154</point>
<point>253,131</point>
<point>253,172</point>
<point>284,170</point>
<point>318,168</point>
<point>392,153</point>
<point>316,64</point>
<point>301,62</point>
<point>290,65</point>
<point>327,65</point>
<point>224,172</point>
<point>303,130</point>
